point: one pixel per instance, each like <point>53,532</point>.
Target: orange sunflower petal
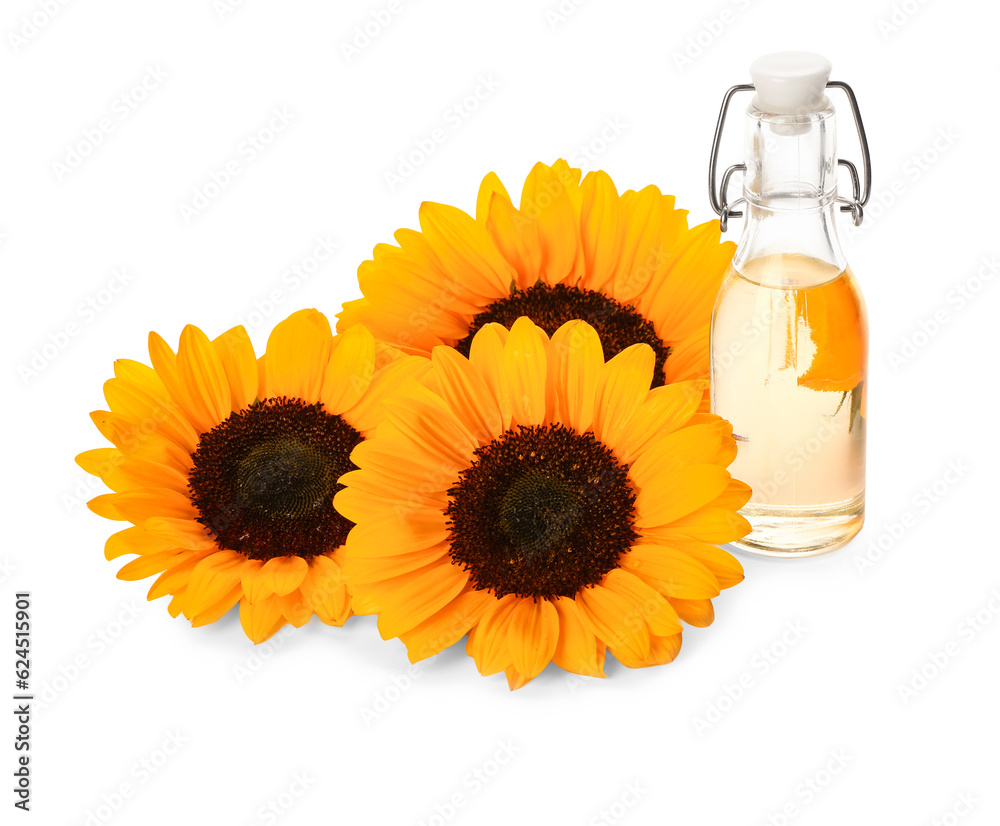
<point>678,494</point>
<point>447,626</point>
<point>183,533</point>
<point>547,201</point>
<point>646,601</point>
<point>367,413</point>
<point>689,357</point>
<point>216,611</point>
<point>490,186</point>
<point>465,391</point>
<point>699,444</point>
<point>600,229</point>
<point>408,600</point>
<point>664,410</point>
<point>279,576</point>
<point>671,571</point>
<point>287,373</point>
<point>526,364</point>
<point>236,354</point>
<point>104,505</point>
<point>324,591</point>
<point>464,246</point>
<point>261,620</point>
<point>164,362</point>
<point>211,580</point>
<point>613,619</point>
<point>697,612</point>
<point>490,642</point>
<point>708,524</point>
<point>139,504</point>
<point>174,579</point>
<point>516,236</point>
<point>134,540</point>
<point>486,355</point>
<point>150,413</point>
<point>121,473</point>
<point>350,370</point>
<point>576,361</point>
<point>152,563</point>
<point>201,371</point>
<point>532,636</point>
<point>294,608</point>
<point>687,291</point>
<point>645,242</point>
<point>725,567</point>
<point>621,390</point>
<point>576,649</point>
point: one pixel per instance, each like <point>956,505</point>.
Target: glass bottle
<point>789,340</point>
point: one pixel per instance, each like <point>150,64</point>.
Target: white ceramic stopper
<point>790,83</point>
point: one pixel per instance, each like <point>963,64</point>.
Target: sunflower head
<point>226,467</point>
<point>545,501</point>
<point>627,264</point>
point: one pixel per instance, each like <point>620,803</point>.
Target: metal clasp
<point>855,204</point>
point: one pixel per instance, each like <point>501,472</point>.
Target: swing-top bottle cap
<point>790,83</point>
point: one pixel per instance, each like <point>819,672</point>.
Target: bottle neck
<point>790,188</point>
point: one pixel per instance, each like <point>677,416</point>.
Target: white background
<point>121,678</point>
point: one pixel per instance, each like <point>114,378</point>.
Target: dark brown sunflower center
<point>541,512</point>
<point>618,325</point>
<point>263,480</point>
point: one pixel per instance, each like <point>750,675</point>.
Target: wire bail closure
<point>855,204</point>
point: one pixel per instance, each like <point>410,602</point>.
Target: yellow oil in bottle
<point>789,369</point>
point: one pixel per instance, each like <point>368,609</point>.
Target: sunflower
<point>548,503</point>
<point>226,467</point>
<point>628,265</point>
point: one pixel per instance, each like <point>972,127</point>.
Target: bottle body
<point>789,370</point>
<point>789,343</point>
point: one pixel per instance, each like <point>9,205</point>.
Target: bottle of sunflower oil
<point>789,340</point>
